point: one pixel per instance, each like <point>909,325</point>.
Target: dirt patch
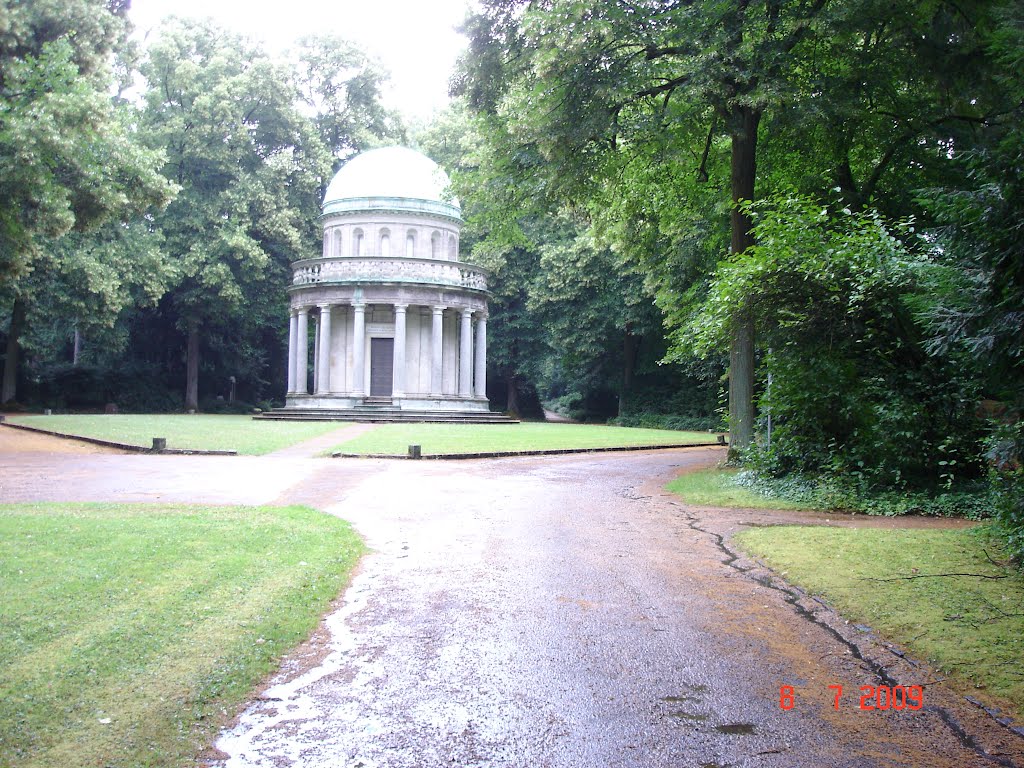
<point>20,441</point>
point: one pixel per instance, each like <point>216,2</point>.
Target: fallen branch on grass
<point>935,576</point>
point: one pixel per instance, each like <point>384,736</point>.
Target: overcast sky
<point>414,39</point>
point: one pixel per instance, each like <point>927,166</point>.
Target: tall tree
<point>606,92</point>
<point>248,162</point>
<point>342,87</point>
<point>594,75</point>
<point>69,157</point>
<point>250,141</point>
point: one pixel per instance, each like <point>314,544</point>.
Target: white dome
<point>391,177</point>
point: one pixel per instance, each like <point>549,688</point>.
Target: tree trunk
<point>76,350</point>
<point>9,388</point>
<point>192,369</point>
<point>630,347</point>
<point>512,396</point>
<point>741,355</point>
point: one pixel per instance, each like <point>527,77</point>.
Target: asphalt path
<point>548,612</point>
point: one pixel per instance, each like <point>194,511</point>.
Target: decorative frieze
<point>390,270</point>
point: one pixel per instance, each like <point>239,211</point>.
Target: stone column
<point>293,347</point>
<point>436,345</point>
<point>324,368</point>
<point>316,354</point>
<point>480,375</point>
<point>398,382</point>
<point>358,348</point>
<point>466,354</point>
<point>302,358</point>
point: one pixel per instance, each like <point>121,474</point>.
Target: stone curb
<point>121,446</point>
<point>506,454</point>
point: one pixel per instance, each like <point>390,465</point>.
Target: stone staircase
<point>380,410</point>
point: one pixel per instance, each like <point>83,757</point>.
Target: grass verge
<point>486,438</point>
<point>198,431</point>
<point>129,632</point>
<point>968,627</point>
<point>715,488</point>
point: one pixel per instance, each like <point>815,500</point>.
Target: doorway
<point>382,366</point>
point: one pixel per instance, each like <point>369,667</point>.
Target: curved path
<point>547,612</point>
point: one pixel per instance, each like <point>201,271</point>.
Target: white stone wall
<point>419,329</point>
<point>433,238</point>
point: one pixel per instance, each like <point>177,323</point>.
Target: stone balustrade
<point>389,270</point>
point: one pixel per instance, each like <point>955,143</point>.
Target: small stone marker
<point>721,439</point>
<point>47,412</point>
<point>1,417</point>
<point>159,443</point>
<point>415,452</point>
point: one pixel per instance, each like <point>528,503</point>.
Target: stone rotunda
<point>395,326</point>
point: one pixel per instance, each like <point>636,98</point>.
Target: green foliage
<point>854,493</point>
<point>342,87</point>
<point>69,158</point>
<point>717,487</point>
<point>245,140</point>
<point>134,387</point>
<point>852,391</point>
<point>1006,474</point>
<point>668,421</point>
<point>978,311</point>
<point>226,116</point>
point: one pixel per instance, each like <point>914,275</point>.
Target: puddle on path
<point>736,729</point>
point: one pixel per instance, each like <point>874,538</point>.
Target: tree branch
<point>935,576</point>
<point>702,171</point>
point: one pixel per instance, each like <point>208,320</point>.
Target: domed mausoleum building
<point>393,323</point>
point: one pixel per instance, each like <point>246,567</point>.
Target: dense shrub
<point>852,494</point>
<point>847,380</point>
<point>670,421</point>
<point>133,387</point>
<point>215,405</point>
<point>1006,456</point>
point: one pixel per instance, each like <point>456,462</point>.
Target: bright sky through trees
<point>415,40</point>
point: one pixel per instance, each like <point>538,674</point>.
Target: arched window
<point>357,242</point>
<point>452,250</point>
<point>435,245</point>
<point>410,244</point>
<point>385,243</point>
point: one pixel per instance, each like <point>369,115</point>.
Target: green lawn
<point>970,628</point>
<point>483,438</point>
<point>715,488</point>
<point>209,432</point>
<point>130,633</point>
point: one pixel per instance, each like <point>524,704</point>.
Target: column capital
<point>326,305</point>
<point>438,309</point>
<point>466,311</point>
<point>302,309</point>
<point>358,304</point>
<point>399,306</point>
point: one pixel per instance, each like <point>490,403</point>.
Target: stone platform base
<point>385,414</point>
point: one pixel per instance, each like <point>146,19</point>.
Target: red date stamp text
<point>874,697</point>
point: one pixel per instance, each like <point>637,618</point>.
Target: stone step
<point>384,415</point>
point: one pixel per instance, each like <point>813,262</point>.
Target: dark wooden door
<point>382,366</point>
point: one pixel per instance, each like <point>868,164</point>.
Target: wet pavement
<point>549,612</point>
